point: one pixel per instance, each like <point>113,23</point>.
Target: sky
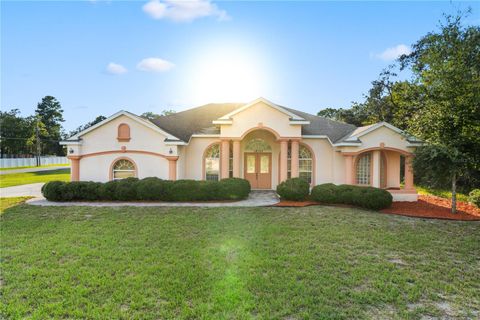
<point>99,57</point>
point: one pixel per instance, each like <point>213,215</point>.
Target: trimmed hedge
<point>295,189</point>
<point>474,197</point>
<point>150,189</point>
<point>365,197</point>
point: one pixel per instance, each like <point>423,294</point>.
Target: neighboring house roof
<point>199,121</point>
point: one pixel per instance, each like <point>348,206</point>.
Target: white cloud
<point>394,52</point>
<point>154,65</point>
<point>183,11</point>
<point>115,68</point>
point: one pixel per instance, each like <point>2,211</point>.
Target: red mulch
<point>425,207</point>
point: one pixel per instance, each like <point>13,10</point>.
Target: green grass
<point>44,166</point>
<point>6,203</point>
<point>15,179</point>
<point>447,194</point>
<point>235,263</point>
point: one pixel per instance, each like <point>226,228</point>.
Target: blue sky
<point>100,57</point>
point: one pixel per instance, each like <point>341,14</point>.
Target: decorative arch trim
<point>272,131</point>
<point>93,154</point>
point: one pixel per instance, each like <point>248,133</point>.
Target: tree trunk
<point>454,193</point>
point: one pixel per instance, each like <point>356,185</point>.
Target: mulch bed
<point>426,207</point>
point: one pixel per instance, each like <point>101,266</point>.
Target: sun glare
<point>228,76</point>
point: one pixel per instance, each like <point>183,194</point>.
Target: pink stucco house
<point>260,141</point>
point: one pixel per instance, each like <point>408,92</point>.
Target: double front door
<point>258,170</point>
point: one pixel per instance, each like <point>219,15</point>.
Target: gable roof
<point>130,115</point>
<point>354,136</point>
<point>286,111</point>
<point>200,121</point>
<point>195,121</point>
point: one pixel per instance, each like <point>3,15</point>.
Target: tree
<point>15,132</point>
<point>446,68</point>
<point>354,115</point>
<point>50,114</point>
<point>86,126</point>
<point>152,116</point>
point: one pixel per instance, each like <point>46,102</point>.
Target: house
<point>260,141</point>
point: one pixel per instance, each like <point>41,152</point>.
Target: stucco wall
<point>390,138</point>
<point>260,113</point>
<point>324,156</point>
<point>97,168</point>
<point>194,157</point>
<point>104,138</point>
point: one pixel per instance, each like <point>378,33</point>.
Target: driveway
<point>32,170</point>
<point>32,190</point>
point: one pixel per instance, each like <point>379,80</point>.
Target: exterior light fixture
<point>170,151</point>
<point>70,151</point>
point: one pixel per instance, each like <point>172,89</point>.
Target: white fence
<point>25,162</point>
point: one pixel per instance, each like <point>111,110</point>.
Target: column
<point>75,168</point>
<point>172,168</point>
<point>294,159</point>
<point>224,159</point>
<point>283,160</point>
<point>376,169</point>
<point>408,173</point>
<point>236,158</point>
<point>349,172</point>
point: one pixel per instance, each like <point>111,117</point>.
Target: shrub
<point>474,197</point>
<point>153,188</point>
<point>53,190</point>
<point>295,189</point>
<point>147,189</point>
<point>126,189</point>
<point>234,188</point>
<point>365,197</point>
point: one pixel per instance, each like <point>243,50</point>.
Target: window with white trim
<point>122,169</point>
<point>363,169</point>
<point>212,163</point>
<point>305,163</point>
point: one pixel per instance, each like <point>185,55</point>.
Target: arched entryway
<point>258,163</point>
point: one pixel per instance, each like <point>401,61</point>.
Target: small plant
<point>295,189</point>
<point>474,197</point>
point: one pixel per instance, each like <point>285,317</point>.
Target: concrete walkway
<point>33,169</point>
<point>32,190</point>
<point>255,199</point>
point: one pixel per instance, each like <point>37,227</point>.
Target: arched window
<point>257,145</point>
<point>305,163</point>
<point>123,132</point>
<point>363,169</point>
<point>122,169</point>
<point>212,163</point>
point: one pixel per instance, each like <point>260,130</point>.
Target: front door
<point>258,170</point>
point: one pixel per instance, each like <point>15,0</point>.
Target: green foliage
<point>365,197</point>
<point>84,127</point>
<point>295,189</point>
<point>150,189</point>
<point>474,197</point>
<point>49,114</point>
<point>234,188</point>
<point>15,131</point>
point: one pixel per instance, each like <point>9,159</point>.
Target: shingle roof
<point>199,121</point>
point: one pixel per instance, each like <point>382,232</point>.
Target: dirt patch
<point>434,207</point>
<point>426,207</point>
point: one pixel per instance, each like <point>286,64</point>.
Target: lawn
<point>15,179</point>
<point>235,263</point>
<point>44,166</point>
<point>6,203</point>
